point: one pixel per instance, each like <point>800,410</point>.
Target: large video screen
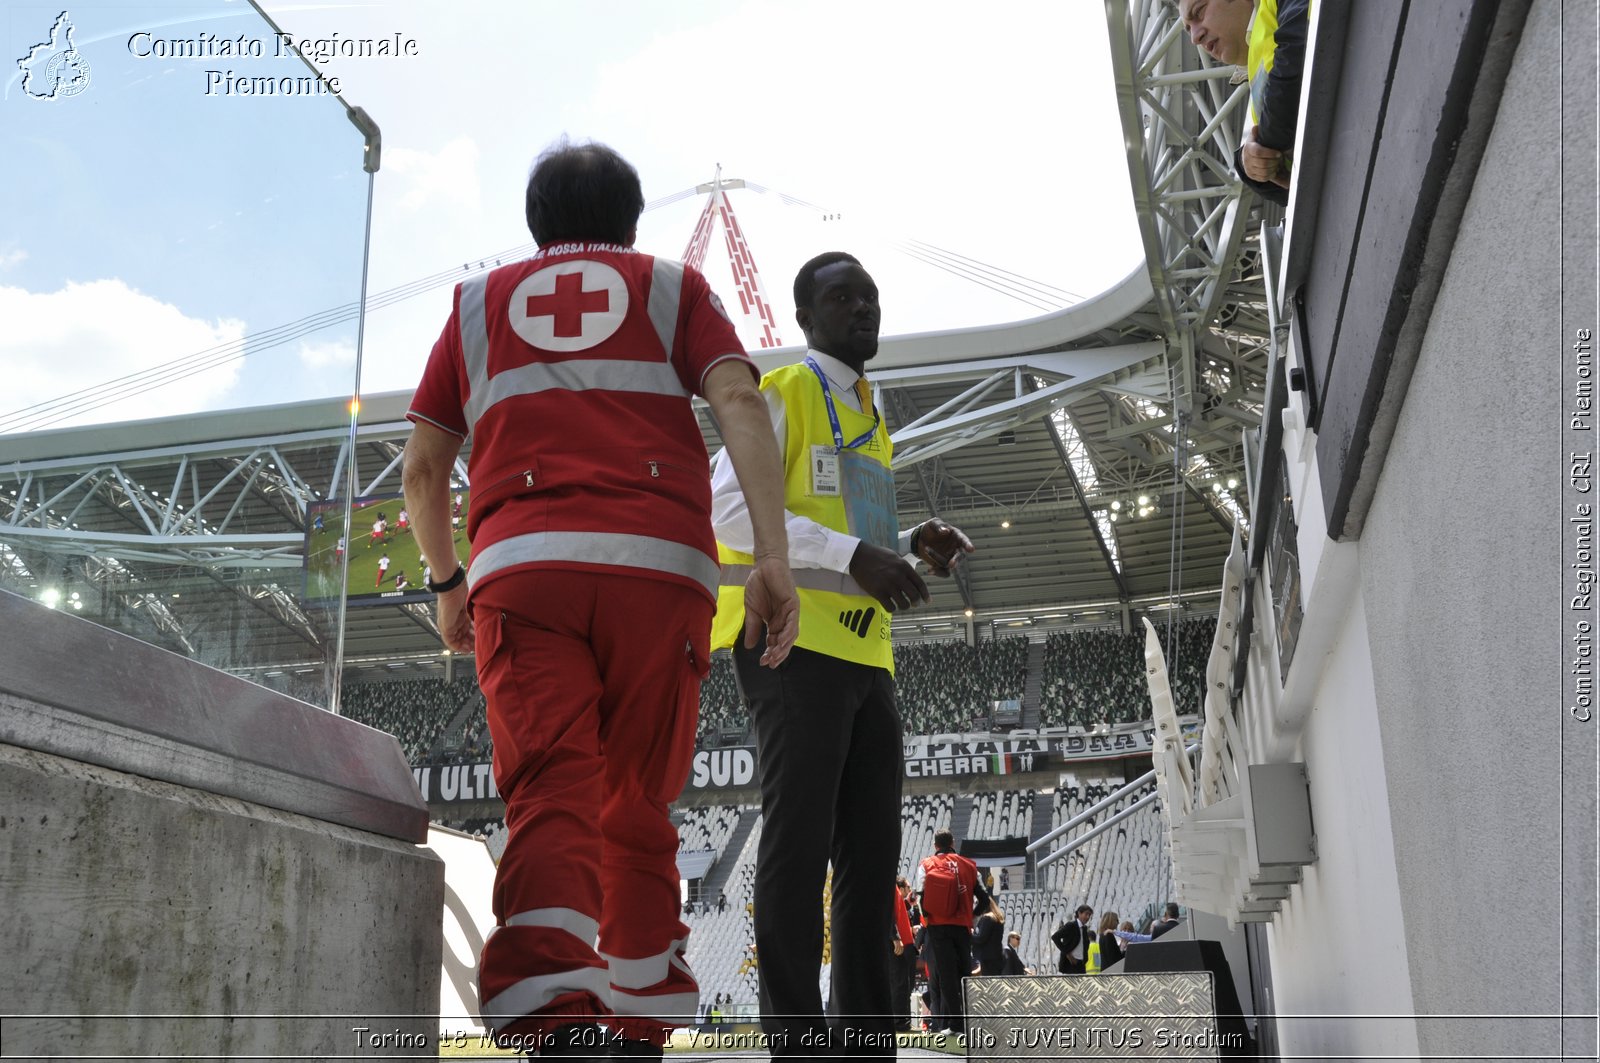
<point>386,565</point>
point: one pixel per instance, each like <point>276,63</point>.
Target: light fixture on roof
<point>1144,500</point>
<point>968,613</point>
<point>1005,523</point>
<point>1116,504</point>
<point>1233,483</point>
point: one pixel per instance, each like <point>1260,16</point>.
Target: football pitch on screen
<point>368,550</point>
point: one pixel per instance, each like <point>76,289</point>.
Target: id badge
<point>824,470</point>
<point>869,507</point>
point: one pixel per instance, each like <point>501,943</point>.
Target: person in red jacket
<point>589,594</point>
<point>903,962</point>
<point>951,894</point>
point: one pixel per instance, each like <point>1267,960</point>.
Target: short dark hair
<point>805,282</point>
<point>1172,910</point>
<point>943,839</point>
<point>1082,908</point>
<point>583,192</point>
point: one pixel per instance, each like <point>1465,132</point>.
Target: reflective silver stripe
<point>666,288</point>
<point>811,579</point>
<point>530,994</point>
<point>645,972</point>
<point>580,374</point>
<point>572,921</point>
<point>670,1009</point>
<point>474,339</point>
<point>597,548</point>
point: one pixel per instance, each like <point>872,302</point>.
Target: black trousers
<point>828,750</point>
<point>902,976</point>
<point>949,961</point>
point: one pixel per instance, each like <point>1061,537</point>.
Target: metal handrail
<point>1095,809</point>
<point>1101,829</point>
<point>1056,832</point>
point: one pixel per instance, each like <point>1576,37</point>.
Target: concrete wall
<point>1433,736</point>
<point>1426,698</point>
<point>126,896</point>
<point>1338,950</point>
<point>1462,577</point>
<point>177,842</point>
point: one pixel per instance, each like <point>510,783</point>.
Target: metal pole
<point>371,150</point>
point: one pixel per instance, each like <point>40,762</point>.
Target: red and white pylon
<point>752,295</point>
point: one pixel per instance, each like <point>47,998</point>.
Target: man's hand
<point>941,545</point>
<point>899,947</point>
<point>770,600</point>
<point>455,625</point>
<point>1262,163</point>
<point>886,576</point>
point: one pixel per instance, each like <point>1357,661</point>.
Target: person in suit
<point>1168,920</point>
<point>1072,937</point>
<point>1012,960</point>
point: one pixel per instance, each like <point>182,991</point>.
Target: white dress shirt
<point>811,545</point>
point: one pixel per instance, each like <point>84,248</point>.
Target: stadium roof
<point>1056,443</point>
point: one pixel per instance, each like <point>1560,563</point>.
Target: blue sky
<point>148,221</point>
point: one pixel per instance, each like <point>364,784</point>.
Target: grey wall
<point>1461,582</point>
<point>125,896</point>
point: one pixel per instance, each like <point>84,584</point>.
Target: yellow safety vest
<point>1262,43</point>
<point>1092,965</point>
<point>835,617</point>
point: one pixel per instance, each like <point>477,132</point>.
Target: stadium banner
<point>445,784</point>
<point>734,767</point>
<point>1125,743</point>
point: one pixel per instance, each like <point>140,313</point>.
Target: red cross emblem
<point>569,306</point>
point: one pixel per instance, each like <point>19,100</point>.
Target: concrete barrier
<point>191,865</point>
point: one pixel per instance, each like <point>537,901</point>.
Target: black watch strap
<point>452,583</point>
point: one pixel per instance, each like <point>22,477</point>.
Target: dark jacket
<point>1066,939</point>
<point>988,943</point>
<point>1110,950</point>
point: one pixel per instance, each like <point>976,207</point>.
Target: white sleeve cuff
<point>839,551</point>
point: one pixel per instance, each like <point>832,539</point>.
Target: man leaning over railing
<point>1268,38</point>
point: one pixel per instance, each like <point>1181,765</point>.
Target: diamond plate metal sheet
<point>1098,1016</point>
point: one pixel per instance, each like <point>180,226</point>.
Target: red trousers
<point>593,688</point>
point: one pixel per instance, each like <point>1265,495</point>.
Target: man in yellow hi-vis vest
<point>827,729</point>
<point>1268,39</point>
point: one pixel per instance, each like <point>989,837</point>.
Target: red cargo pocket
<point>497,681</point>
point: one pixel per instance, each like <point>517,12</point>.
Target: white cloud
<point>11,255</point>
<point>449,175</point>
<point>326,354</point>
<point>84,335</point>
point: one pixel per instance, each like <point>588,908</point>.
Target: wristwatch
<point>450,584</point>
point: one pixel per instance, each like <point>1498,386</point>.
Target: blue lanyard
<point>833,415</point>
